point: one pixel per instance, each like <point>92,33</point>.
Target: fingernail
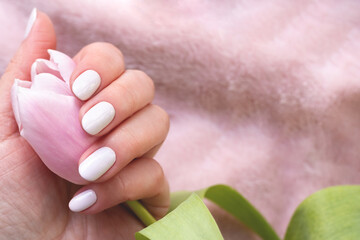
<point>95,165</point>
<point>86,84</point>
<point>98,117</point>
<point>82,201</point>
<point>31,21</point>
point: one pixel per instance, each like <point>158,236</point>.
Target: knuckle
<point>131,101</point>
<point>99,45</point>
<point>143,79</point>
<point>14,61</point>
<point>108,51</point>
<point>133,143</point>
<point>90,48</point>
<point>137,88</point>
<point>129,98</point>
<point>162,117</point>
<point>157,174</point>
<point>122,186</point>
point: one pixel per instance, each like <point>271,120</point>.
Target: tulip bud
<point>47,114</point>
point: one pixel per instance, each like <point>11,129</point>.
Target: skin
<point>34,201</point>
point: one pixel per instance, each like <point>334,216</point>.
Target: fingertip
<point>40,36</point>
<point>40,32</point>
<point>83,200</point>
<point>97,65</point>
<point>159,204</point>
<point>95,165</point>
<point>86,84</point>
<point>30,22</point>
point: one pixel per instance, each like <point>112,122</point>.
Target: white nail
<point>98,117</point>
<point>95,165</point>
<point>86,84</point>
<point>82,201</point>
<point>31,21</point>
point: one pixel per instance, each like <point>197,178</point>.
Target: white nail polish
<point>95,165</point>
<point>98,117</point>
<point>31,21</point>
<point>86,84</point>
<point>82,201</point>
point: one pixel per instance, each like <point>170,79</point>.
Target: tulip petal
<point>50,83</point>
<point>44,66</point>
<point>65,64</point>
<point>47,114</point>
<point>51,125</point>
<point>14,98</point>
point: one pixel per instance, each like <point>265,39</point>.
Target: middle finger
<point>118,101</point>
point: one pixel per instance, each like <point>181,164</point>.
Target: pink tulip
<point>47,114</point>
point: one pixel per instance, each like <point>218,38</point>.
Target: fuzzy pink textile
<point>263,95</point>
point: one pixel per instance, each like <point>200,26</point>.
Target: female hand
<point>33,200</point>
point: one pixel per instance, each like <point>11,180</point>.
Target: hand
<point>34,201</point>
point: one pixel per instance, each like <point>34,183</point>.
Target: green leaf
<point>225,197</point>
<point>190,220</point>
<point>332,213</point>
<point>234,203</point>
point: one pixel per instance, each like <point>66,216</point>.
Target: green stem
<point>141,212</point>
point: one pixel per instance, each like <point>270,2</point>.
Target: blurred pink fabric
<point>262,95</point>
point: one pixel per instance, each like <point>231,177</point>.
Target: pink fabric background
<point>263,95</point>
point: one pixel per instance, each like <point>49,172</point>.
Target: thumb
<point>40,36</point>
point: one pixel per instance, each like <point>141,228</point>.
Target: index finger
<point>97,65</point>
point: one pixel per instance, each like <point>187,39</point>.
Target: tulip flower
<point>47,114</point>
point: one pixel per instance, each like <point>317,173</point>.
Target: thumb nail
<point>31,22</point>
